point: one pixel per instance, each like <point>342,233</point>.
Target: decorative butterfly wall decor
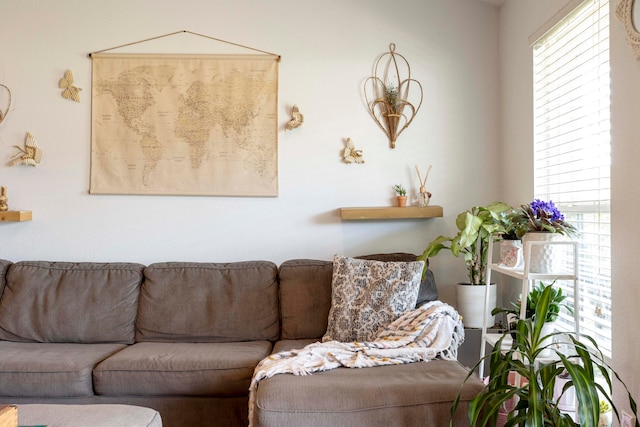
<point>31,155</point>
<point>296,118</point>
<point>3,113</point>
<point>350,154</point>
<point>70,91</point>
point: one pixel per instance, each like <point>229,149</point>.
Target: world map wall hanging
<point>184,124</point>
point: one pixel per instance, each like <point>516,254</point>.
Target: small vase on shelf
<point>423,197</point>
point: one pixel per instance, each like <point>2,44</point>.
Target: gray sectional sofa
<point>184,339</point>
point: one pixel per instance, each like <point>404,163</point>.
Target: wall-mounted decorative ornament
<point>4,200</point>
<point>31,155</point>
<point>296,119</point>
<point>70,91</point>
<point>3,113</point>
<point>628,12</point>
<point>388,94</point>
<point>350,154</point>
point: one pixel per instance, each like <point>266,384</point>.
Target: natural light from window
<point>572,151</point>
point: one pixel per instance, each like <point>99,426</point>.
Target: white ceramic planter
<point>544,258</point>
<point>547,328</point>
<point>606,419</point>
<point>470,304</point>
<point>511,253</point>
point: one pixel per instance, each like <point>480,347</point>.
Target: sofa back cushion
<point>70,302</point>
<point>305,293</point>
<point>305,298</point>
<point>4,266</point>
<point>209,302</point>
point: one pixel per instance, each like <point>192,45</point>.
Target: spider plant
<point>534,395</point>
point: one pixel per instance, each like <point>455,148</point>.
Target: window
<point>572,150</point>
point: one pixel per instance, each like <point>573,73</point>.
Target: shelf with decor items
<point>527,280</point>
<point>391,212</point>
<point>15,216</point>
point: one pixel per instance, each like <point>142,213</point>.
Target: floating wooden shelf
<point>390,212</point>
<point>15,216</point>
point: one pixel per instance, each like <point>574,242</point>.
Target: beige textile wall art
<point>628,12</point>
<point>388,93</point>
<point>170,124</point>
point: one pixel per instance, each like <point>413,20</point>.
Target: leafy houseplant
<point>541,222</point>
<point>475,227</point>
<point>556,302</point>
<point>536,405</point>
<point>541,216</point>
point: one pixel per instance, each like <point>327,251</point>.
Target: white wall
<point>328,48</point>
<point>625,174</point>
<point>518,20</point>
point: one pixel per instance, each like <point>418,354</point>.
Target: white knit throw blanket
<point>431,331</point>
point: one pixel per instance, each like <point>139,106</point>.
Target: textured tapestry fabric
<point>428,289</point>
<point>366,296</point>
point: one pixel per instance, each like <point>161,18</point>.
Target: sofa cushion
<point>209,302</point>
<point>368,295</point>
<point>305,293</point>
<point>4,266</point>
<point>50,369</point>
<point>305,298</point>
<point>185,369</point>
<point>70,302</point>
<point>415,394</point>
<point>428,289</point>
<point>288,345</point>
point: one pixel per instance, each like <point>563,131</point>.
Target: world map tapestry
<point>184,125</point>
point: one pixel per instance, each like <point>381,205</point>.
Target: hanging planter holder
<point>387,94</point>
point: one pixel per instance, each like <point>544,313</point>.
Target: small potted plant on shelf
<point>541,216</point>
<point>556,303</point>
<point>475,228</point>
<point>401,194</point>
<point>532,393</point>
<point>541,221</point>
<point>510,245</point>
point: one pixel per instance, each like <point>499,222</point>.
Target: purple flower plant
<point>546,209</point>
<point>541,216</point>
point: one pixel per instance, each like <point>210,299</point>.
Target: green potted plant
<point>534,397</point>
<point>541,216</point>
<point>510,245</point>
<point>401,194</point>
<point>541,221</point>
<point>556,303</point>
<point>475,228</point>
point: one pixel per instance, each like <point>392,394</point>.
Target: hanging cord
<point>184,31</point>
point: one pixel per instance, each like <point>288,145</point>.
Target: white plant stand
<point>527,279</point>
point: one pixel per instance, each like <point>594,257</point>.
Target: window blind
<point>572,151</point>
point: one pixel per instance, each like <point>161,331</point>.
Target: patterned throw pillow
<point>367,296</point>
